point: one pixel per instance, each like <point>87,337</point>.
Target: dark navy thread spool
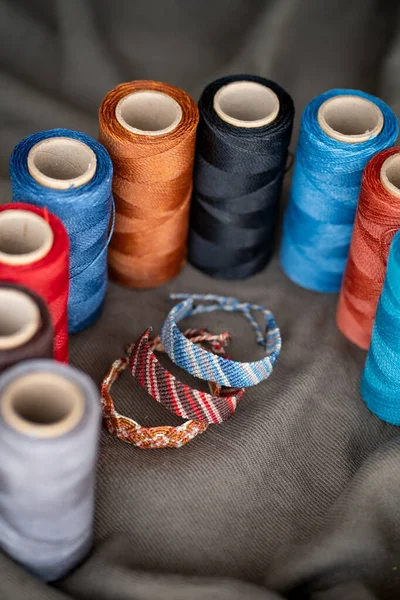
<point>243,137</point>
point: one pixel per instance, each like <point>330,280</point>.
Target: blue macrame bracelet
<point>205,365</point>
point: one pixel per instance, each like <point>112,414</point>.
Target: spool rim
<point>32,224</point>
<point>364,109</point>
<point>67,398</point>
<point>18,304</point>
<point>58,155</point>
<point>389,169</point>
<point>231,99</point>
<point>144,104</point>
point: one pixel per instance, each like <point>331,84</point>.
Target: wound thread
<point>21,338</point>
<point>380,383</point>
<point>377,220</point>
<point>149,129</point>
<point>48,276</point>
<point>49,428</point>
<point>319,220</point>
<point>245,128</point>
<point>85,208</point>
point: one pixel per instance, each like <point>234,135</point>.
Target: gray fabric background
<point>297,496</point>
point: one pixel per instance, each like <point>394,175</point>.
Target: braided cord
<point>129,430</point>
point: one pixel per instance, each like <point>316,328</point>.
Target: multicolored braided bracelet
<point>200,363</point>
<point>183,400</point>
<point>128,430</point>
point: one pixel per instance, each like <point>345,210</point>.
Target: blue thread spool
<point>340,131</point>
<point>70,173</point>
<point>380,383</point>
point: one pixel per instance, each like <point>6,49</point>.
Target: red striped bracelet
<point>166,389</point>
<point>182,399</point>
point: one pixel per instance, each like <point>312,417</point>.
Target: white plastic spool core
<point>350,119</point>
<point>42,404</point>
<point>148,112</point>
<point>19,318</point>
<point>61,163</point>
<point>246,104</point>
<point>390,175</point>
<point>25,238</point>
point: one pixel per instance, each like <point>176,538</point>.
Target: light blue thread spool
<point>380,383</point>
<point>70,173</point>
<point>340,131</point>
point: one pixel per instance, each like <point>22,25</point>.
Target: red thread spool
<point>34,251</point>
<point>377,220</point>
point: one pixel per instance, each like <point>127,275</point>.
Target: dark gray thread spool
<point>26,330</point>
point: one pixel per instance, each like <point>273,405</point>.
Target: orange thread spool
<point>377,220</point>
<point>149,129</point>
